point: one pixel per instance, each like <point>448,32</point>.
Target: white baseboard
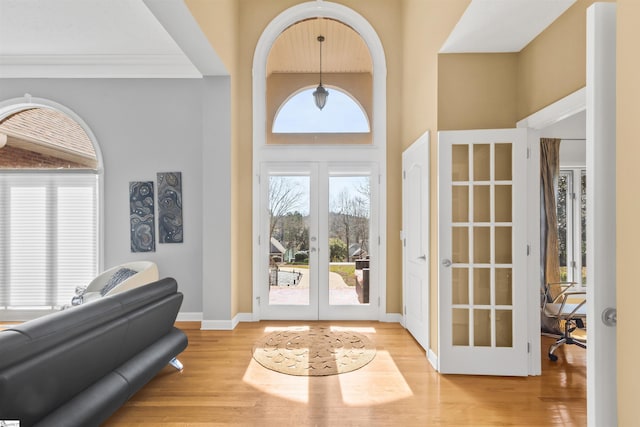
<point>392,318</point>
<point>242,317</point>
<point>217,325</point>
<point>433,359</point>
<point>189,317</point>
<point>226,325</point>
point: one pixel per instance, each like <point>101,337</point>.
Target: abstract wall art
<point>141,214</point>
<point>170,207</point>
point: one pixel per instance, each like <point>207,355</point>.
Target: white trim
<point>14,105</point>
<point>177,20</point>
<point>602,371</point>
<point>391,318</point>
<point>226,325</point>
<point>217,325</point>
<point>375,152</point>
<point>189,317</point>
<point>98,66</point>
<point>556,112</point>
<point>574,103</point>
<point>433,359</point>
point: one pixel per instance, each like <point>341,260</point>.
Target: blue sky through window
<point>341,114</point>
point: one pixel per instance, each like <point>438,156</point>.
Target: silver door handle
<point>423,257</point>
<point>610,316</point>
<point>446,262</point>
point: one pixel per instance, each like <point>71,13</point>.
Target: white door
<point>601,213</point>
<point>482,247</point>
<point>288,229</point>
<point>415,239</point>
<point>318,259</point>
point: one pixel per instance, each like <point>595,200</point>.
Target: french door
<point>482,246</point>
<point>318,241</point>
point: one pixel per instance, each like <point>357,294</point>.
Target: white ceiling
<point>502,25</point>
<point>160,38</point>
<point>102,38</point>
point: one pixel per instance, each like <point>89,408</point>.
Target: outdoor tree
<point>286,196</point>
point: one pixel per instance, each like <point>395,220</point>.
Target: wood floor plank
<point>222,385</point>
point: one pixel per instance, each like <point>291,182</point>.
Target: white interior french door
<point>482,247</point>
<point>318,241</point>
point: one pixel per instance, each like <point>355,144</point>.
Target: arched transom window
<point>293,73</point>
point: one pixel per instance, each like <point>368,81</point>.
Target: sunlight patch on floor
<point>291,387</point>
<point>361,388</point>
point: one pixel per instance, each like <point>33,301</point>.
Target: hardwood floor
<point>222,385</point>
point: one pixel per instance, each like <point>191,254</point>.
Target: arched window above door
<point>310,52</point>
<point>342,114</point>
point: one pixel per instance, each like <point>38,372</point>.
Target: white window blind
<point>48,237</point>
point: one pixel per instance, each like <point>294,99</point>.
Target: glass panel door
<point>288,242</point>
<point>317,257</point>
<point>289,197</point>
<point>349,243</point>
<point>481,182</point>
<point>481,283</point>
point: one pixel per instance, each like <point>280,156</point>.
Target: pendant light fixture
<point>320,94</point>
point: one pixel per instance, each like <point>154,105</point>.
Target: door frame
<point>375,152</point>
<point>319,307</point>
<point>601,391</point>
<point>566,107</point>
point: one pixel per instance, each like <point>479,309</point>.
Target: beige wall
<point>477,91</point>
<point>628,208</point>
<point>554,64</point>
<point>426,26</point>
<point>252,16</point>
<point>219,21</point>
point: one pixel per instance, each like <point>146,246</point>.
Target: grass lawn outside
<point>346,271</point>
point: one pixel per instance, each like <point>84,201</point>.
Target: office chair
<point>563,302</point>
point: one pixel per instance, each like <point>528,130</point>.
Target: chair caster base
<point>553,357</point>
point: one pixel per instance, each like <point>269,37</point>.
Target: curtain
<point>549,170</point>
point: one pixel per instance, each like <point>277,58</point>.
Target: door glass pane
<point>503,245</point>
<point>460,245</point>
<point>460,204</point>
<point>349,223</point>
<point>288,277</point>
<point>482,328</point>
<point>460,163</point>
<point>481,245</point>
<point>503,162</point>
<point>482,286</point>
<point>503,286</point>
<point>481,203</point>
<point>481,162</point>
<point>460,326</point>
<point>503,203</point>
<point>564,188</point>
<point>504,328</point>
<point>460,285</point>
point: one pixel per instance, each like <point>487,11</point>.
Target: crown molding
<point>97,66</point>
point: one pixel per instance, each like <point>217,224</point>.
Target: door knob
<point>423,257</point>
<point>446,262</point>
<point>610,316</point>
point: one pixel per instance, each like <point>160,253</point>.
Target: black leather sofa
<point>78,366</point>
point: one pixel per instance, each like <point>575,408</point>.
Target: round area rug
<point>314,351</point>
